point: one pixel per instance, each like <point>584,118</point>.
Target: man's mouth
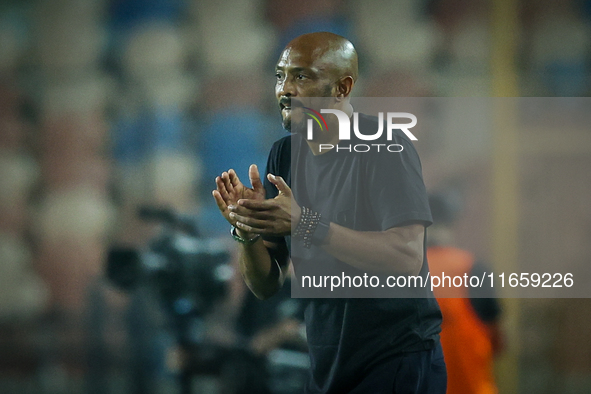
<point>288,104</point>
<point>285,104</point>
<point>285,109</point>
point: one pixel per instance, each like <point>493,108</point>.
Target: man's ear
<point>344,87</point>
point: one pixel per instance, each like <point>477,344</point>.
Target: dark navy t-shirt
<point>348,337</point>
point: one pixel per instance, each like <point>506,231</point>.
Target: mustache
<point>289,102</point>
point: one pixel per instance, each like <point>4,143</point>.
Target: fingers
<point>255,179</point>
<point>222,190</point>
<point>251,213</point>
<point>234,180</point>
<point>257,205</point>
<point>227,182</point>
<point>280,184</point>
<point>250,224</point>
<point>219,200</point>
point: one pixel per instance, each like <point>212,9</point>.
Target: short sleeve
<point>396,190</point>
<point>271,168</point>
<point>278,163</point>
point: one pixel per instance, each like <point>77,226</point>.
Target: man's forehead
<point>296,57</point>
<point>285,57</point>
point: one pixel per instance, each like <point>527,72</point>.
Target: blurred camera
<point>190,273</point>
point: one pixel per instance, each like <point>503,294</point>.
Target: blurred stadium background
<point>109,105</point>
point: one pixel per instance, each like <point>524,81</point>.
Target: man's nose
<point>286,88</point>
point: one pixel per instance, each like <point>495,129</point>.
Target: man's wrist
<point>243,236</point>
<point>312,228</point>
<point>321,233</point>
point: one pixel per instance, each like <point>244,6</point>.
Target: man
<point>471,333</point>
<point>362,215</point>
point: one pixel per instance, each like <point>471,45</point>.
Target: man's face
<point>300,74</point>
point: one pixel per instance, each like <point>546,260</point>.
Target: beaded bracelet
<point>307,226</point>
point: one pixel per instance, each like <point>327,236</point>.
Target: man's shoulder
<point>279,161</point>
<point>282,148</point>
<point>282,144</point>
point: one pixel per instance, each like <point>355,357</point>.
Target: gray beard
<point>286,123</point>
<point>301,128</point>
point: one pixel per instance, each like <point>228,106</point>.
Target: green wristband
<point>243,240</point>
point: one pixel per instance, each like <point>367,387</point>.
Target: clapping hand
<point>274,216</point>
<point>230,190</point>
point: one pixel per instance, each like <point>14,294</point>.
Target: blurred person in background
<point>270,344</point>
<point>471,332</point>
<point>356,345</point>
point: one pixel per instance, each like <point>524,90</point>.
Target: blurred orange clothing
<point>467,340</point>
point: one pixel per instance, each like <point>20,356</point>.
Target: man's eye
<point>301,76</point>
<point>278,76</point>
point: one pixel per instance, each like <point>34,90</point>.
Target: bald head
<point>328,51</point>
<point>315,65</point>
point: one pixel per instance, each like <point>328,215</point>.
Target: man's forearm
<point>260,272</point>
<point>395,251</point>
